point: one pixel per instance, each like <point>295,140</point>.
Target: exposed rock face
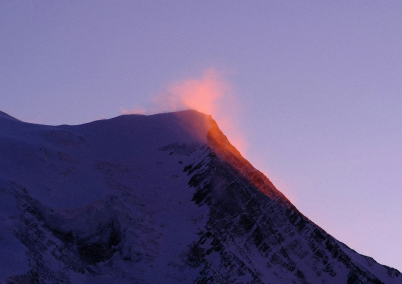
<point>158,199</point>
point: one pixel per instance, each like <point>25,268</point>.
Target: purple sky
<point>317,87</point>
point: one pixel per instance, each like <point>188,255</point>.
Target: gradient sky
<point>310,91</point>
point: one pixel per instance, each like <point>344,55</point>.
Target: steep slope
<point>154,199</point>
<point>5,115</point>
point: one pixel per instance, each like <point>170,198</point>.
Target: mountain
<point>154,199</point>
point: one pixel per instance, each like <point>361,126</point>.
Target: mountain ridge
<point>155,199</point>
<point>7,116</point>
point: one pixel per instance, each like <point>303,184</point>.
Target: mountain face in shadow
<point>154,199</point>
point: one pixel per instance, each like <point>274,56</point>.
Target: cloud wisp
<point>202,94</point>
<point>210,94</point>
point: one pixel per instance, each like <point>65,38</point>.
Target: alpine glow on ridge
<point>163,198</point>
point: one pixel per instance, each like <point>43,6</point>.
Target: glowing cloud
<point>199,94</point>
<point>209,94</point>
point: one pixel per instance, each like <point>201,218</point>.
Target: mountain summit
<point>154,199</point>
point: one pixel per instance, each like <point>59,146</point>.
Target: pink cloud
<point>211,94</point>
<point>200,94</point>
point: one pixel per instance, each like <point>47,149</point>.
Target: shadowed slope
<point>154,199</point>
<point>5,115</point>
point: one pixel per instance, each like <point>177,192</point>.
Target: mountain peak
<point>164,198</point>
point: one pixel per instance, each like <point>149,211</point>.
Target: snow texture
<point>154,199</point>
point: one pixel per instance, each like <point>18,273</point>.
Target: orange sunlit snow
<point>211,94</point>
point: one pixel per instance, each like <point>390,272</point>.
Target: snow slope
<point>154,199</point>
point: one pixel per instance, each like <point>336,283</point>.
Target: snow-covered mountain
<point>154,199</point>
